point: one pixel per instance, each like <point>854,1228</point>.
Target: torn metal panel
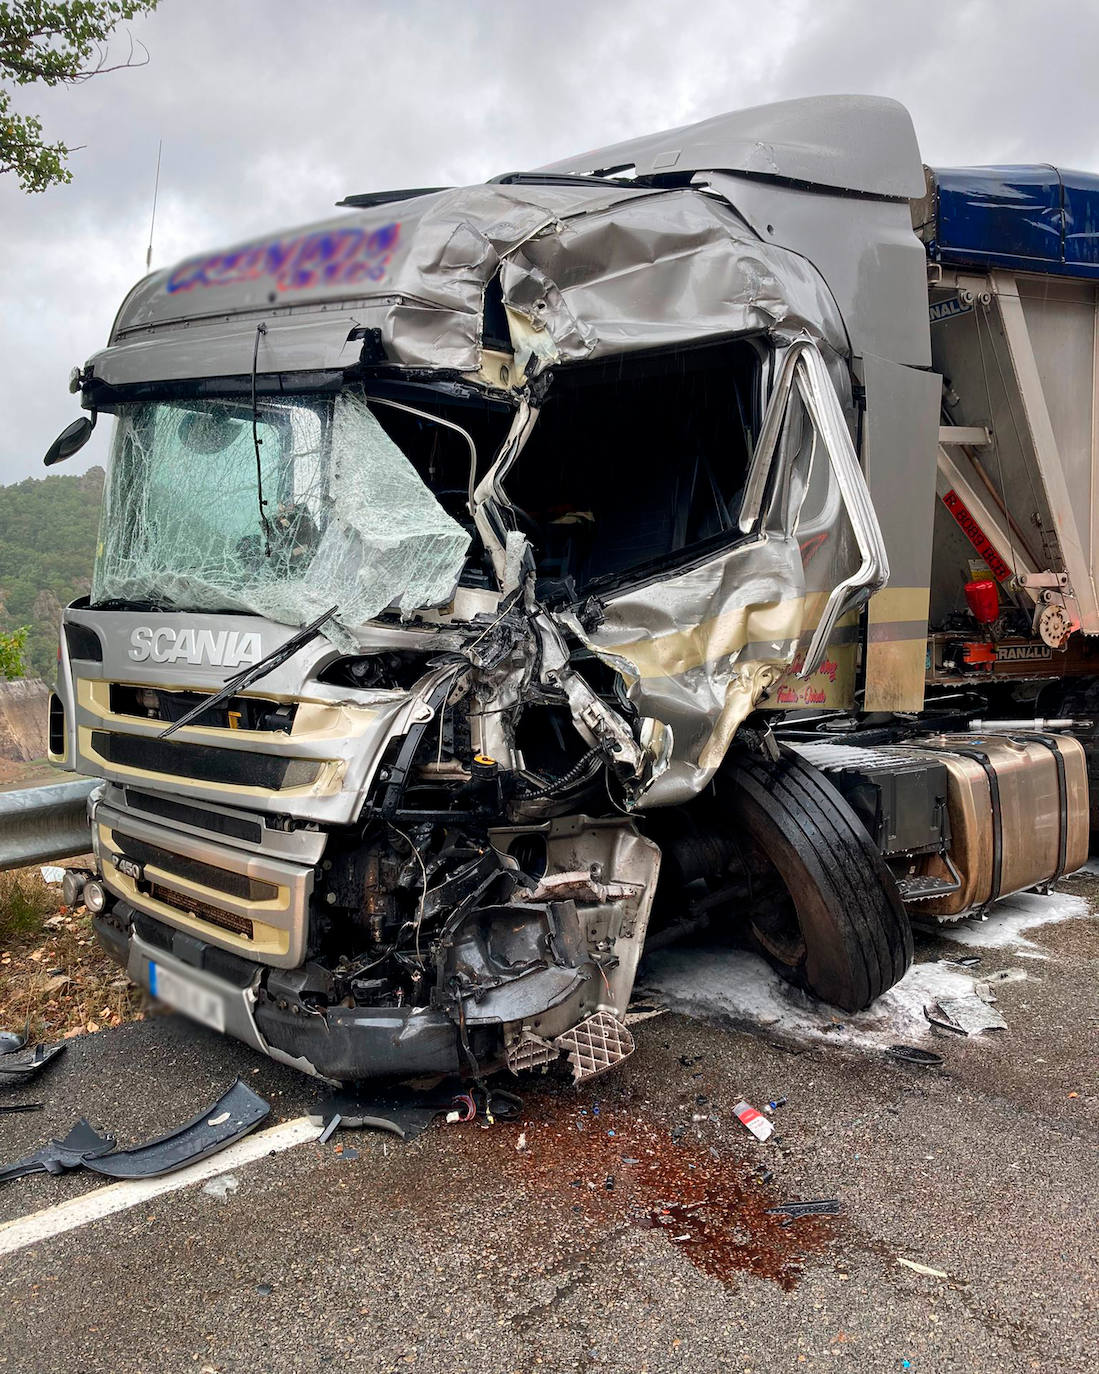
<point>654,272</point>
<point>698,650</point>
<point>586,271</point>
<point>416,272</point>
<point>614,904</point>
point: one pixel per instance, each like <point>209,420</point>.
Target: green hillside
<point>47,543</point>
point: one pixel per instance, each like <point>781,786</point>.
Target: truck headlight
<point>95,896</point>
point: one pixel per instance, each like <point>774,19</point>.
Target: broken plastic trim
<point>17,1066</point>
<point>804,368</point>
<point>233,1115</point>
<point>71,1152</point>
<point>236,1112</point>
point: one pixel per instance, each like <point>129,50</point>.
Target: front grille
<point>238,713</point>
<point>202,763</point>
<point>194,870</point>
<point>239,925</point>
<point>197,816</point>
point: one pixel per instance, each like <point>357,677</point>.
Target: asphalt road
<point>632,1238</point>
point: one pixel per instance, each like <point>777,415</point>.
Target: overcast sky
<point>270,110</point>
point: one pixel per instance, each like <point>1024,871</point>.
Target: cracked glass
<point>348,519</point>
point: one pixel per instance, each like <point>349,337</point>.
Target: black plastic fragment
<point>21,1107</point>
<point>11,1041</point>
<point>82,1143</point>
<point>790,1211</point>
<point>233,1115</point>
<point>17,1067</point>
<point>401,1111</point>
<point>407,1112</point>
<point>912,1054</point>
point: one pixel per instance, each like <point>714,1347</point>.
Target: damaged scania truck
<point>495,581</point>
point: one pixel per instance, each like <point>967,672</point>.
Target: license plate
<point>186,997</point>
<point>129,867</point>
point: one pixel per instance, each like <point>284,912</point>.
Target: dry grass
<point>53,973</point>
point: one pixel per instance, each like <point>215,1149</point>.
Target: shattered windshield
<point>348,519</point>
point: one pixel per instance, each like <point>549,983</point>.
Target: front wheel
<point>831,919</point>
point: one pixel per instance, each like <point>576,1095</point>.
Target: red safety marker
<point>976,536</point>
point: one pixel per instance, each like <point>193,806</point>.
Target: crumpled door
<point>701,648</point>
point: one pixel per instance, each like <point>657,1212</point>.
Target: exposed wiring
<point>423,891</point>
<point>607,784</point>
<point>581,771</point>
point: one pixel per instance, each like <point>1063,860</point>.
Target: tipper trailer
<point>495,581</point>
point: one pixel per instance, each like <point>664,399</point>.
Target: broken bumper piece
<point>232,1116</point>
<point>344,1044</point>
<point>18,1066</point>
<point>350,1044</point>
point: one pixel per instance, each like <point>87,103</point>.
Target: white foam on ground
<point>716,982</point>
<point>1010,919</point>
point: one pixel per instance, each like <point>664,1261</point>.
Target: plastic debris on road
<point>965,1015</point>
<point>758,1124</point>
<point>922,1269</point>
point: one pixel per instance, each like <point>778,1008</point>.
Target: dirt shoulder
<point>53,974</point>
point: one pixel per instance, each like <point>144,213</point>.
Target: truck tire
<point>836,925</point>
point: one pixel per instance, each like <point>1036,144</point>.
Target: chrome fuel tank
<point>1018,808</point>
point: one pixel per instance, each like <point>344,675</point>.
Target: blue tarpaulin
<point>1035,219</point>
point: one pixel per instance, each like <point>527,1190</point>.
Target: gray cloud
<point>271,110</point>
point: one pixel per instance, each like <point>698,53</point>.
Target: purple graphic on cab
<point>330,257</point>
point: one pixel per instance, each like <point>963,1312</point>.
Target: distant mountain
<point>48,532</point>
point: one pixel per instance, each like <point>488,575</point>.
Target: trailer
<point>496,581</point>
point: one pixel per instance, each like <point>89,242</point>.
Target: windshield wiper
<point>245,679</point>
<point>261,329</point>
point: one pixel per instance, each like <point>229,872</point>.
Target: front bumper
<point>342,1045</point>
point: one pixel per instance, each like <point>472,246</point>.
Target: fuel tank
<point>1018,810</point>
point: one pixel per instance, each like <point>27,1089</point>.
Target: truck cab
<point>460,556</point>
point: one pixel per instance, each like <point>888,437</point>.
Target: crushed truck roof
<point>582,267</point>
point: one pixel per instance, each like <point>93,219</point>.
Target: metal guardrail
<point>39,824</point>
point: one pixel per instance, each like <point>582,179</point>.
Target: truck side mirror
<point>71,440</point>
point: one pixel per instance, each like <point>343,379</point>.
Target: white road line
<point>117,1197</point>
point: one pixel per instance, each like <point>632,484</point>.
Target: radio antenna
<point>152,217</point>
